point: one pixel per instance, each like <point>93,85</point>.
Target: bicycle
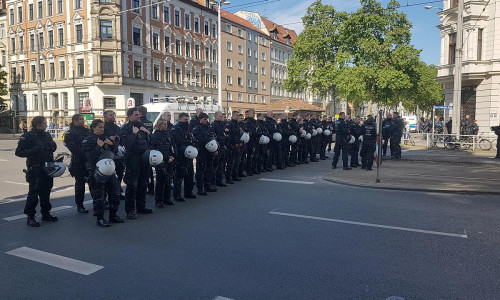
<point>465,143</point>
<point>407,139</point>
<point>65,158</point>
<point>438,141</point>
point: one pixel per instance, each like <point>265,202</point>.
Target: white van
<point>177,105</point>
<point>411,123</point>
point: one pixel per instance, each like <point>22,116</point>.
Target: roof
<point>292,104</point>
<point>282,32</point>
<point>240,21</point>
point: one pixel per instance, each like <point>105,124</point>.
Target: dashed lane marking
<point>55,260</point>
<point>286,181</point>
<point>221,298</point>
<point>464,236</point>
<point>23,197</point>
<point>55,209</point>
<point>20,183</point>
<point>3,160</point>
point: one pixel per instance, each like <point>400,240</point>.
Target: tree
<point>4,88</point>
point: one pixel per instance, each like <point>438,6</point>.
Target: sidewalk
<point>420,153</point>
<point>425,176</point>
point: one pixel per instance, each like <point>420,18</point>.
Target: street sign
<point>443,106</point>
<point>130,102</point>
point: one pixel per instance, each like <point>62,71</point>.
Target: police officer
<point>203,134</point>
<point>369,133</point>
<point>341,145</point>
<point>73,141</point>
<point>38,147</point>
<point>234,149</point>
<point>242,161</point>
<point>97,146</point>
<point>149,126</point>
<point>275,154</point>
<point>396,135</point>
<point>112,131</point>
<point>354,130</point>
<point>294,148</point>
<point>250,126</point>
<point>261,154</point>
<point>329,140</point>
<point>135,138</point>
<point>161,140</point>
<point>286,132</point>
<point>386,133</point>
<point>184,171</point>
<point>221,130</point>
<point>196,118</point>
<point>323,139</point>
<point>496,129</point>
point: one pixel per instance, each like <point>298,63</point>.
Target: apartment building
<point>480,55</point>
<point>108,51</point>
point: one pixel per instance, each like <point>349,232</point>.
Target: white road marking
<point>20,183</point>
<point>3,159</point>
<point>56,209</point>
<point>464,236</point>
<point>221,298</point>
<point>287,181</point>
<point>55,260</point>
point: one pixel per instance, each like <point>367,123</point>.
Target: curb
<point>371,186</point>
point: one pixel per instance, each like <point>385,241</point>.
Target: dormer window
<point>288,40</point>
<point>275,34</point>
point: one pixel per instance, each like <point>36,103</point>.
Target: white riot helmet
<point>327,132</point>
<point>104,168</point>
<point>319,130</point>
<point>120,153</point>
<point>245,137</point>
<point>55,169</point>
<point>308,136</point>
<point>212,146</point>
<point>262,140</point>
<point>277,136</point>
<point>153,157</point>
<point>190,152</point>
<point>303,134</point>
<point>351,139</point>
<point>267,140</point>
<point>292,139</point>
<point>314,133</point>
<point>360,138</point>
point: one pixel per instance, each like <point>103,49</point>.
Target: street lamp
<point>219,3</point>
<point>457,74</point>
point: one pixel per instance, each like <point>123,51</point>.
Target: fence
<point>57,133</point>
<point>483,141</point>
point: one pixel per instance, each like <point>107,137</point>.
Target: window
<point>166,14</point>
<point>452,48</point>
<point>240,49</point>
<point>197,51</point>
<point>229,46</point>
<point>453,3</point>
<point>229,28</point>
<point>249,36</point>
<point>229,63</point>
<point>137,36</point>
<point>80,67</point>
<point>255,55</point>
<point>13,45</point>
<point>188,77</point>
<point>40,10</point>
<point>2,31</point>
<point>177,47</point>
<point>4,57</point>
<point>240,65</point>
<point>240,32</point>
<point>229,79</point>
<point>196,25</point>
<point>23,74</point>
<point>156,73</point>
<point>136,4</point>
<point>207,79</point>
<point>79,33</point>
<point>167,44</point>
<point>106,29</point>
<point>249,83</point>
<point>168,74</point>
<point>59,7</point>
<point>42,71</point>
<point>52,71</point>
<point>60,36</point>
<point>21,44</point>
<point>255,69</point>
<point>263,71</point>
<point>249,68</point>
<point>156,41</point>
<point>263,41</point>
<point>214,55</point>
<point>263,56</point>
<point>62,69</point>
<point>263,85</point>
<point>207,54</point>
<point>240,98</point>
<point>50,9</point>
<point>275,35</point>
<point>41,41</point>
<point>197,77</point>
<point>109,102</point>
<point>177,18</point>
<point>82,97</point>
<point>33,73</point>
<point>255,98</point>
<point>288,40</point>
<point>263,99</point>
<point>178,76</point>
<point>154,13</point>
<point>78,4</point>
<point>249,52</point>
<point>35,101</point>
<point>187,21</point>
<point>240,81</point>
<point>214,32</point>
<point>20,14</point>
<point>249,98</point>
<point>214,80</point>
<point>30,12</point>
<point>188,49</point>
<point>107,65</point>
<point>479,43</point>
<point>137,69</point>
<point>207,30</point>
<point>255,84</point>
<point>229,96</point>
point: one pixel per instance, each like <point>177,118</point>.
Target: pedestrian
<point>396,135</point>
<point>161,140</point>
<point>100,150</point>
<point>73,141</point>
<point>368,132</point>
<point>135,138</point>
<point>25,127</point>
<point>38,148</point>
<point>386,133</point>
<point>341,145</point>
<point>449,125</point>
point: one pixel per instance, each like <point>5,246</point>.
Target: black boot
<point>32,221</point>
<point>49,218</point>
<point>115,219</point>
<point>81,209</point>
<point>159,205</point>
<point>102,222</point>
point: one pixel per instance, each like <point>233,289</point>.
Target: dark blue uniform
<point>341,145</point>
<point>162,141</point>
<point>73,141</point>
<point>184,171</point>
<point>369,133</point>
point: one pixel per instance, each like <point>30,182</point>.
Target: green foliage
<point>4,88</point>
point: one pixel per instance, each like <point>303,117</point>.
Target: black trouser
<point>384,146</point>
<point>340,147</point>
<point>294,152</point>
<point>498,148</point>
<point>276,156</point>
<point>183,172</point>
<point>396,146</point>
<point>243,160</point>
<point>80,173</point>
<point>201,171</point>
<point>231,162</point>
<point>354,152</point>
<point>322,146</point>
<point>367,152</point>
<point>250,158</point>
<point>260,157</point>
<point>220,162</point>
<point>151,180</point>
<point>40,186</point>
<point>119,170</point>
<point>136,177</point>
<point>164,176</point>
<point>285,151</point>
<point>303,150</point>
<point>312,148</point>
<point>212,162</point>
<point>98,190</point>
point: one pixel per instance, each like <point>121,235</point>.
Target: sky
<point>425,34</point>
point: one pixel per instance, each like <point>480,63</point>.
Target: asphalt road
<point>258,239</point>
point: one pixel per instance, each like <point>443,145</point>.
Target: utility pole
<point>39,74</point>
<point>457,84</point>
